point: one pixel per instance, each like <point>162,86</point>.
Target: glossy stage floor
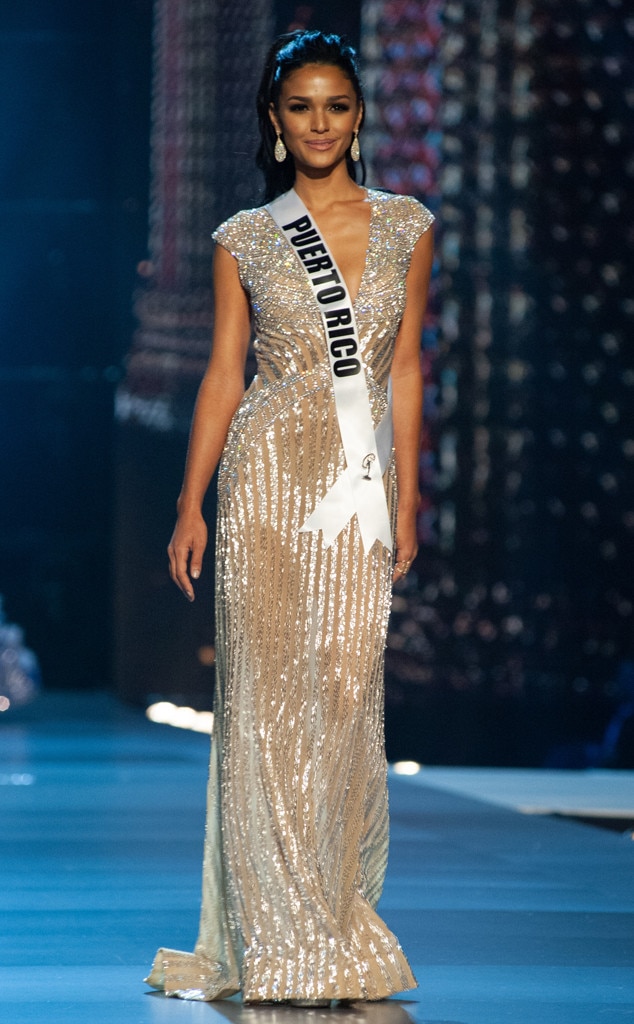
<point>507,917</point>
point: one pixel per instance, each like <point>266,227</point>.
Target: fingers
<point>403,560</point>
<point>196,559</point>
<point>179,560</point>
<point>185,552</point>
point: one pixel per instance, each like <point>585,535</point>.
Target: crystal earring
<point>355,152</point>
<point>280,149</point>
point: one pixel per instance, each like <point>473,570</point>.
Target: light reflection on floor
<point>507,918</point>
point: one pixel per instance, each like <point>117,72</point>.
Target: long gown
<point>297,819</point>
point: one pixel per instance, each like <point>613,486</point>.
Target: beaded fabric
<point>297,826</point>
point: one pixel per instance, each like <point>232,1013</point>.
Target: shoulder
<point>239,233</point>
<point>404,215</point>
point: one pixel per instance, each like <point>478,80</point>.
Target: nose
<point>319,122</point>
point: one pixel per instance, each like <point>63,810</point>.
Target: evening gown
<point>297,819</point>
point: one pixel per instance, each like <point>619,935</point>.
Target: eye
<point>340,108</point>
<point>297,107</point>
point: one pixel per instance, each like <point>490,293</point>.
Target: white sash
<point>360,487</point>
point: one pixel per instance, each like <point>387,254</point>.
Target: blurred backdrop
<point>128,135</point>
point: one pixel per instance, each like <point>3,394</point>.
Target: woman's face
<point>317,114</point>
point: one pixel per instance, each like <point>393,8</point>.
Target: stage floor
<point>507,917</point>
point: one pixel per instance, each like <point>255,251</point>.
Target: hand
<point>406,547</point>
<point>186,549</point>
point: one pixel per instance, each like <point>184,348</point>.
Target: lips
<point>321,144</point>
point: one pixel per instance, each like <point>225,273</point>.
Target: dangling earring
<point>280,149</point>
<point>355,152</point>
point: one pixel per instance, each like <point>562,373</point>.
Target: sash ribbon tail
<point>337,507</point>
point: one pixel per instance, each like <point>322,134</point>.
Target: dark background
<point>74,102</point>
<point>74,183</point>
<point>75,91</point>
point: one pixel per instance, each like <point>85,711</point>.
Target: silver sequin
<point>297,828</point>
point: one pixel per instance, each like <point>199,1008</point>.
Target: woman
<point>297,828</point>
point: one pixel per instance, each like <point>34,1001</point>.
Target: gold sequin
<point>297,827</point>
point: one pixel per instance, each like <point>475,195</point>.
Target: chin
<point>319,161</point>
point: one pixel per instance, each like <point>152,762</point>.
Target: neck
<point>321,190</point>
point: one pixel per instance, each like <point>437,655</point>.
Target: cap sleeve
<point>415,220</point>
<point>403,220</point>
<point>231,234</point>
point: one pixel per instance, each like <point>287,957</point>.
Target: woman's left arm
<point>407,392</point>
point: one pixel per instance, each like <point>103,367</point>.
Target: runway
<point>506,917</point>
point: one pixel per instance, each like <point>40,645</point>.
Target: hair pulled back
<point>289,52</point>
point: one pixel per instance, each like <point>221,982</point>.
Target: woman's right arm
<point>219,395</point>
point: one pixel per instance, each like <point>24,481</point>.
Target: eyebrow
<point>307,99</point>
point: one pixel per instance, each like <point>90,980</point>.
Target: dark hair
<point>289,52</point>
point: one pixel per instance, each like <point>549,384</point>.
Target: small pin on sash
<point>367,464</point>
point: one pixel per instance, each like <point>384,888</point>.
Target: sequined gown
<point>297,827</point>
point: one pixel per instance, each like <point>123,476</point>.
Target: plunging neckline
<point>370,200</point>
<point>353,301</point>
